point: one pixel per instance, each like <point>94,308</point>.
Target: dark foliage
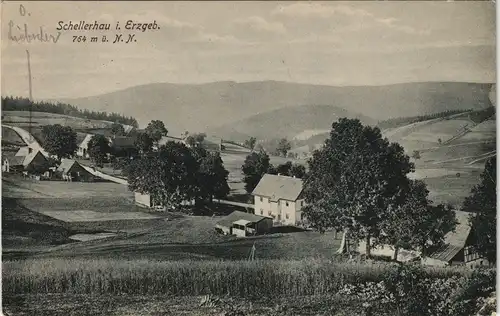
<point>24,104</point>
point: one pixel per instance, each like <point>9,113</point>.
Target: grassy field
<point>21,118</point>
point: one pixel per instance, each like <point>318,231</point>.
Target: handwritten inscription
<point>88,31</point>
<point>24,33</point>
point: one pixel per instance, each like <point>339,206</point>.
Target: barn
<point>71,170</point>
<point>244,224</point>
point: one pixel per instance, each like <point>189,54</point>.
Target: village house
<point>123,146</point>
<point>279,197</point>
<point>5,164</point>
<point>83,147</point>
<point>28,159</point>
<point>71,170</point>
<point>244,224</point>
<point>459,246</point>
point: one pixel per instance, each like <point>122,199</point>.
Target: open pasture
<point>69,190</point>
<point>93,216</point>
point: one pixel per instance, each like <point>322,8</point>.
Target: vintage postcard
<point>248,158</point>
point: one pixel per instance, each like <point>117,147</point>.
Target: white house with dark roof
<point>279,197</point>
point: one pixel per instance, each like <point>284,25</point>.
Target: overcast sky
<point>336,43</point>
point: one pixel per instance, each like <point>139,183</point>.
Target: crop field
<point>146,287</point>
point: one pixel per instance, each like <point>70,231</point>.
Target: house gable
<point>277,187</point>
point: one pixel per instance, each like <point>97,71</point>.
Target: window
<point>261,212</point>
<point>287,216</point>
<point>286,203</point>
<point>279,217</point>
<point>269,213</point>
<point>261,198</point>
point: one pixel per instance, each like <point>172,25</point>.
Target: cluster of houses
<point>278,200</point>
<point>126,144</point>
<point>33,160</point>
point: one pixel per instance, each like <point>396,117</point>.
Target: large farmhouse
<point>279,197</point>
<point>244,224</point>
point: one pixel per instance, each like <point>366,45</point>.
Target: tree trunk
<point>396,251</point>
<point>368,246</point>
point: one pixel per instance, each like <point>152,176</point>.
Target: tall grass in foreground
<point>235,278</point>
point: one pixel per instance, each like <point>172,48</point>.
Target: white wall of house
<point>283,211</point>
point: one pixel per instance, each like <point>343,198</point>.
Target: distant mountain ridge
<point>228,107</point>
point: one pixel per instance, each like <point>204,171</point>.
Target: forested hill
<point>23,104</point>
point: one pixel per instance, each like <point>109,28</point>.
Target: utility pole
<point>30,90</point>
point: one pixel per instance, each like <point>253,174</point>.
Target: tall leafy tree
<point>482,203</point>
<point>144,143</point>
<point>59,141</point>
<point>169,175</point>
<point>156,130</point>
<point>254,167</point>
<point>212,176</point>
<point>283,147</point>
<point>98,149</point>
<point>117,129</point>
<point>417,224</point>
<point>195,140</point>
<point>298,171</point>
<point>354,179</point>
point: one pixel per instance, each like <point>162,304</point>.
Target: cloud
<point>259,24</point>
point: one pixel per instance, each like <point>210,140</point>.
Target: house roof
<point>237,215</point>
<point>28,159</point>
<point>123,141</point>
<point>85,142</point>
<point>66,164</point>
<point>23,151</point>
<point>166,139</point>
<point>278,187</point>
<point>242,222</point>
<point>454,241</point>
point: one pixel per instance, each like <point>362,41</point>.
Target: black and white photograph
<point>248,158</point>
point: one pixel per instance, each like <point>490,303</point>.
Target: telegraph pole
<point>30,90</point>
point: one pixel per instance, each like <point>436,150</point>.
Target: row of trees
<point>175,173</point>
<point>24,104</point>
<point>400,121</point>
<point>258,163</point>
<point>278,147</point>
<point>358,182</point>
